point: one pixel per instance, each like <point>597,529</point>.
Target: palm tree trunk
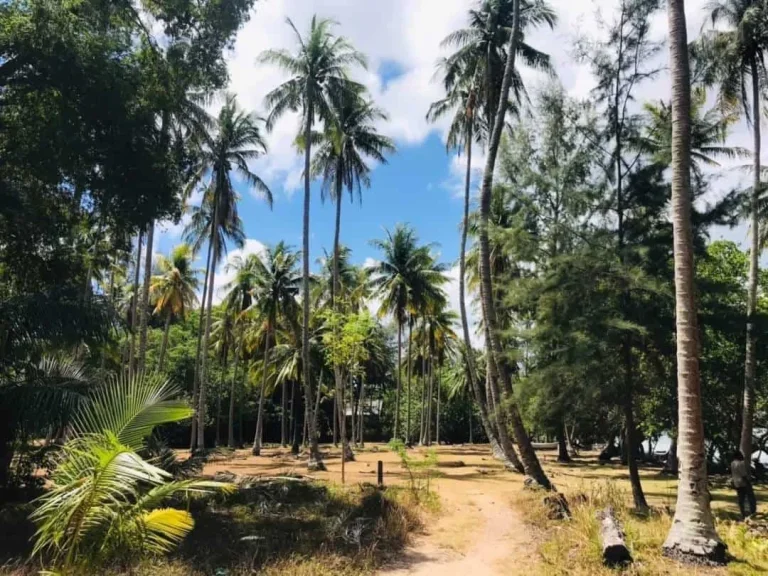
<point>217,440</point>
<point>430,396</point>
<point>353,417</point>
<point>399,375</point>
<point>423,404</point>
<point>144,311</point>
<point>361,424</point>
<point>562,445</point>
<point>692,532</point>
<point>530,460</point>
<point>283,419</point>
<point>232,393</point>
<point>437,419</point>
<point>134,306</point>
<point>748,410</point>
<point>314,462</point>
<point>408,389</point>
<point>296,411</point>
<point>164,345</point>
<point>201,326</point>
<point>256,450</point>
<point>201,405</point>
<point>498,419</point>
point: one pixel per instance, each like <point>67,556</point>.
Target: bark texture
<point>693,531</point>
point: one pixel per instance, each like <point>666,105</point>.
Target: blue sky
<point>422,184</point>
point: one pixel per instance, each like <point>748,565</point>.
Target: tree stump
<point>615,550</point>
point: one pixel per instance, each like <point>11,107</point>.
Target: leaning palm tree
<point>481,49</point>
<point>237,140</point>
<point>497,363</point>
<point>318,70</point>
<point>693,531</point>
<point>276,289</point>
<point>174,290</point>
<point>197,233</point>
<point>735,58</point>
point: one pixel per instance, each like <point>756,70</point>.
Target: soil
<point>476,532</point>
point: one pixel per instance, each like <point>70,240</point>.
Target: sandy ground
<point>476,532</point>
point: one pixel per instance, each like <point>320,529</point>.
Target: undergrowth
<point>278,527</point>
<point>573,547</point>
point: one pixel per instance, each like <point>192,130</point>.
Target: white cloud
<point>223,276</point>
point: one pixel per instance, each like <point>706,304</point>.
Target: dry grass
<point>288,528</point>
<point>573,547</point>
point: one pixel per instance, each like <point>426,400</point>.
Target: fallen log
<point>615,550</point>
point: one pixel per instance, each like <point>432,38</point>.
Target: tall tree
<point>693,530</point>
<point>318,70</point>
<point>277,287</point>
<point>174,290</point>
<point>734,58</point>
<point>530,460</point>
<point>237,140</point>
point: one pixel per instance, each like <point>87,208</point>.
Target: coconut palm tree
<point>735,58</point>
<point>237,139</point>
<point>496,356</point>
<point>238,300</point>
<point>693,530</point>
<point>223,341</point>
<point>405,279</point>
<point>198,233</point>
<point>481,49</point>
<point>174,290</point>
<point>276,289</point>
<point>318,70</point>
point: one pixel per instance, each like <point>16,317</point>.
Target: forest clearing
<point>391,288</point>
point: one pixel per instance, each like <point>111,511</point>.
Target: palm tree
<point>530,461</point>
<point>197,233</point>
<point>237,140</point>
<point>693,530</point>
<point>276,288</point>
<point>735,58</point>
<point>405,279</point>
<point>441,340</point>
<point>223,341</point>
<point>174,290</point>
<point>318,70</point>
<point>238,300</point>
<point>481,49</point>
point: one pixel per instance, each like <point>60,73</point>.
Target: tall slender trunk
<point>335,409</point>
<point>692,532</point>
<point>630,433</point>
<point>748,410</point>
<point>361,425</point>
<point>200,328</point>
<point>220,389</point>
<point>437,415</point>
<point>470,417</point>
<point>399,375</point>
<point>314,462</point>
<point>283,411</point>
<point>498,417</point>
<point>430,396</point>
<point>134,306</point>
<point>201,405</point>
<point>353,406</point>
<point>144,311</point>
<point>423,406</point>
<point>562,445</point>
<point>296,414</point>
<point>233,393</point>
<point>408,388</point>
<point>529,459</point>
<point>164,344</point>
<point>256,450</point>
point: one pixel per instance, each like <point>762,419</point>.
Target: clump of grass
<point>573,547</point>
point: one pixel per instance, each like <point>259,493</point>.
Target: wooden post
<point>380,474</point>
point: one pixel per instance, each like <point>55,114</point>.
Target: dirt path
<point>497,541</point>
<point>476,533</point>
